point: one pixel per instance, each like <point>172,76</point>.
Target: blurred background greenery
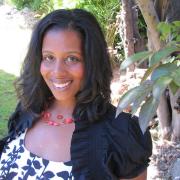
<point>7,99</point>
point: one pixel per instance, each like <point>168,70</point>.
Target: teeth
<point>61,85</point>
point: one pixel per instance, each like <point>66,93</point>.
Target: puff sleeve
<point>129,149</point>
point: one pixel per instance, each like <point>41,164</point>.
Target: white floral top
<point>18,163</point>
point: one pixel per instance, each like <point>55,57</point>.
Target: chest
<point>18,163</point>
<point>52,143</point>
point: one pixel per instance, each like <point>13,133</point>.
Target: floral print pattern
<point>17,163</point>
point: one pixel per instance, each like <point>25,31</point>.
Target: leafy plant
<point>20,4</point>
<point>163,72</point>
<point>169,30</point>
<point>106,12</point>
<point>42,6</point>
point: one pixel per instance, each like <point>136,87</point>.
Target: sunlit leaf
<point>169,59</point>
<point>160,85</point>
<point>147,87</point>
<point>176,76</point>
<point>137,103</point>
<point>163,70</point>
<point>176,23</point>
<point>164,29</point>
<point>147,112</point>
<point>134,58</point>
<point>142,60</point>
<point>127,99</point>
<point>178,38</point>
<point>148,72</point>
<point>163,53</point>
<point>133,95</point>
<point>174,87</point>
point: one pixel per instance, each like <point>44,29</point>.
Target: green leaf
<point>147,87</point>
<point>174,87</point>
<point>164,27</point>
<point>148,72</point>
<point>127,99</point>
<point>176,76</point>
<point>163,70</point>
<point>160,85</point>
<point>147,112</point>
<point>161,54</point>
<point>134,58</point>
<point>142,60</point>
<point>176,23</point>
<point>133,95</point>
<point>178,38</point>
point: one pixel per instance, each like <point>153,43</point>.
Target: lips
<point>61,85</point>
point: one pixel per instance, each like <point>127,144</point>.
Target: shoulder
<point>125,125</point>
<point>122,122</point>
<point>128,146</point>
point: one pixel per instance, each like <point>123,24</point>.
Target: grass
<point>7,100</point>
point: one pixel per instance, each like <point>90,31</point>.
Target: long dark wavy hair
<point>33,93</point>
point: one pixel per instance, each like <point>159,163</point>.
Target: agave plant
<point>163,72</point>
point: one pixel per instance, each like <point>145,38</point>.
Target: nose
<point>59,68</point>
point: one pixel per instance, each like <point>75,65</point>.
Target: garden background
<point>17,18</point>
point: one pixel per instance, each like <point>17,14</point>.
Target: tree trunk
<point>152,20</point>
<point>175,104</point>
<point>173,14</point>
<point>126,29</point>
<point>140,42</point>
<point>153,12</point>
<point>164,117</point>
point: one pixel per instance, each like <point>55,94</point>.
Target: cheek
<point>80,72</point>
<point>43,70</point>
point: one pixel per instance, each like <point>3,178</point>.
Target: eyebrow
<point>72,52</point>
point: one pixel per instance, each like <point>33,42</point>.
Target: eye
<point>72,60</point>
<point>48,58</point>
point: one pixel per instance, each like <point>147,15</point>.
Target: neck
<point>63,107</point>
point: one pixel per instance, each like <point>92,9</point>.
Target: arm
<point>142,176</point>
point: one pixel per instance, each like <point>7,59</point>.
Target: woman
<point>64,125</point>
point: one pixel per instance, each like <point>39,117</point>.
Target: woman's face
<point>62,65</point>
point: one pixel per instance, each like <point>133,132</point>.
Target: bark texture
<point>151,18</point>
<point>175,104</point>
<point>126,28</point>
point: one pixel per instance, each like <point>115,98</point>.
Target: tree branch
<point>151,19</point>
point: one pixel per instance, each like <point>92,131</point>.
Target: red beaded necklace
<point>47,115</point>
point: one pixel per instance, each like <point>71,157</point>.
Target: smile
<point>62,85</point>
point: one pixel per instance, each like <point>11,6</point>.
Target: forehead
<point>58,39</point>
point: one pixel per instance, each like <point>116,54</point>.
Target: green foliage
<point>170,30</point>
<point>20,4</point>
<point>164,72</point>
<point>147,111</point>
<point>7,100</point>
<point>142,25</point>
<point>136,57</point>
<point>162,54</point>
<point>160,85</point>
<point>40,6</point>
<point>106,12</point>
